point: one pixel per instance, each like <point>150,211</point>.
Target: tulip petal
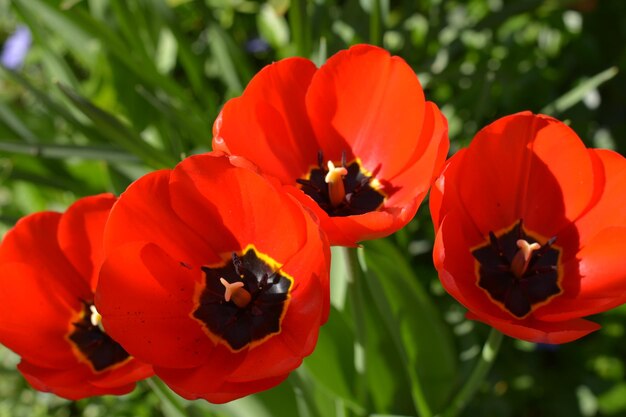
<point>528,167</point>
<point>33,241</point>
<point>609,208</point>
<point>444,195</point>
<point>145,298</point>
<point>35,317</point>
<point>268,124</point>
<point>80,234</point>
<point>457,267</point>
<point>196,382</point>
<point>73,384</point>
<point>413,182</point>
<point>216,198</point>
<point>366,103</point>
<point>537,331</point>
<point>597,279</point>
<point>233,390</point>
<point>143,214</point>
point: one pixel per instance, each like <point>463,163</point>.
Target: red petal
<point>540,331</point>
<point>609,207</point>
<point>35,315</point>
<point>80,234</point>
<point>72,384</point>
<point>444,195</point>
<point>273,357</point>
<point>349,230</point>
<point>413,182</point>
<point>528,167</point>
<point>594,275</point>
<point>192,383</point>
<point>370,105</point>
<point>307,310</point>
<point>131,371</point>
<point>145,298</point>
<point>409,189</point>
<point>232,207</point>
<point>207,382</point>
<point>268,124</point>
<point>143,214</point>
<point>232,390</point>
<point>456,265</point>
<point>33,241</point>
<point>595,281</point>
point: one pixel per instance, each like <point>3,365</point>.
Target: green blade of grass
<point>67,151</point>
<point>118,132</point>
<point>576,94</point>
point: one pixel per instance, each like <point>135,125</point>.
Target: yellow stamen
<point>522,257</point>
<point>334,179</point>
<point>95,318</point>
<point>236,292</point>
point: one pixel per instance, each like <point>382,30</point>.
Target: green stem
<point>299,23</point>
<point>376,23</point>
<point>355,292</point>
<point>304,394</point>
<point>52,150</point>
<point>481,369</point>
<point>167,397</point>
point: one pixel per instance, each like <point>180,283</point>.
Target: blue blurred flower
<point>15,48</point>
<point>257,45</point>
<point>547,347</point>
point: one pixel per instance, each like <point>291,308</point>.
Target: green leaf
<point>243,407</point>
<point>331,364</point>
<point>171,404</point>
<point>53,107</point>
<point>338,278</point>
<point>273,27</point>
<point>613,401</point>
<point>15,124</point>
<point>422,339</point>
<point>166,51</point>
<point>579,92</point>
<point>233,67</point>
<point>68,151</point>
<point>118,132</point>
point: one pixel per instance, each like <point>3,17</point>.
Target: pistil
<point>235,292</point>
<point>95,318</point>
<point>334,179</point>
<point>522,257</point>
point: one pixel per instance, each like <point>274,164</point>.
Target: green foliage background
<point>112,89</point>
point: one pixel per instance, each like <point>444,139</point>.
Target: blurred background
<point>95,93</point>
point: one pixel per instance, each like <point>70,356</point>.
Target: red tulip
<point>48,272</point>
<point>354,140</point>
<point>531,227</point>
<point>215,277</point>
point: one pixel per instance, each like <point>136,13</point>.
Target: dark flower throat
<point>94,344</point>
<point>360,198</point>
<point>518,289</point>
<point>267,292</point>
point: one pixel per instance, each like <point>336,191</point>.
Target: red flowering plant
<point>49,265</point>
<point>214,276</point>
<point>530,229</point>
<point>355,140</point>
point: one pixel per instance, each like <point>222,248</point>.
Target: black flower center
<point>94,344</point>
<point>358,194</point>
<point>518,272</point>
<point>244,299</point>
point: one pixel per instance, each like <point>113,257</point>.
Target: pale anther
<point>522,257</point>
<point>334,179</point>
<point>95,318</point>
<point>235,292</point>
